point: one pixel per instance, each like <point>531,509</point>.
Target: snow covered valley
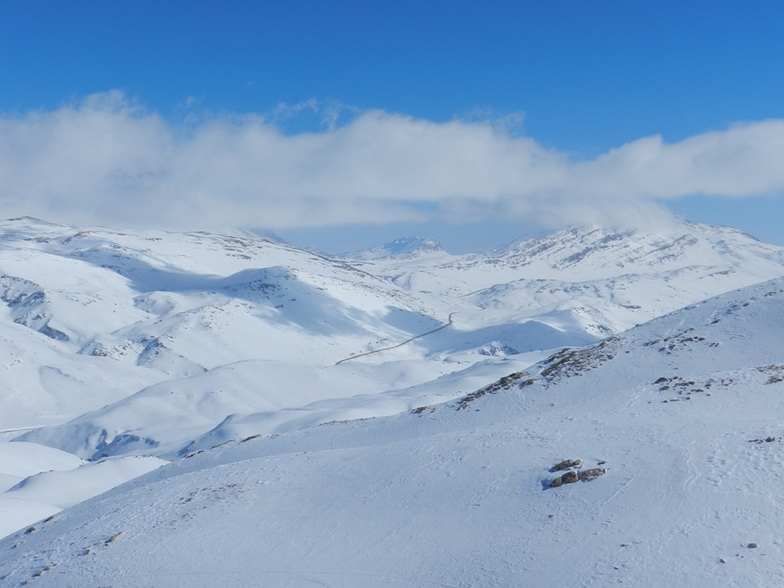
<point>206,410</point>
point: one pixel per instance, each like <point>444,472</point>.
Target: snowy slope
<point>600,280</point>
<point>104,314</point>
<point>165,419</point>
<point>147,343</point>
<point>683,414</point>
<point>255,342</point>
<point>183,303</point>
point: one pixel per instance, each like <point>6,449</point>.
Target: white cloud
<point>109,161</point>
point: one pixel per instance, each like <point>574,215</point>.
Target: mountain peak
<point>403,248</point>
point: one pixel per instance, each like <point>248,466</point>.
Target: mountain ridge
<point>119,345</point>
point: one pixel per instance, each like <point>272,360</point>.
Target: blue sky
<point>565,82</point>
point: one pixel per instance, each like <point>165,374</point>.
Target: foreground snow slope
<point>684,413</point>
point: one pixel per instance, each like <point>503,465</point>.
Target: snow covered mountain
<point>596,280</point>
<point>676,425</point>
<point>122,351</point>
<point>403,248</point>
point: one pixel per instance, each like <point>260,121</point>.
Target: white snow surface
<point>121,342</point>
<point>336,421</point>
<point>683,414</point>
<point>25,459</point>
<point>62,489</point>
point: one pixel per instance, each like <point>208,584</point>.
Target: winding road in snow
<point>444,326</point>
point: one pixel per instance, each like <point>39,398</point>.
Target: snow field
<point>452,496</point>
<point>400,467</point>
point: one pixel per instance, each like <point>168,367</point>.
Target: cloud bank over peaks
<point>107,160</point>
